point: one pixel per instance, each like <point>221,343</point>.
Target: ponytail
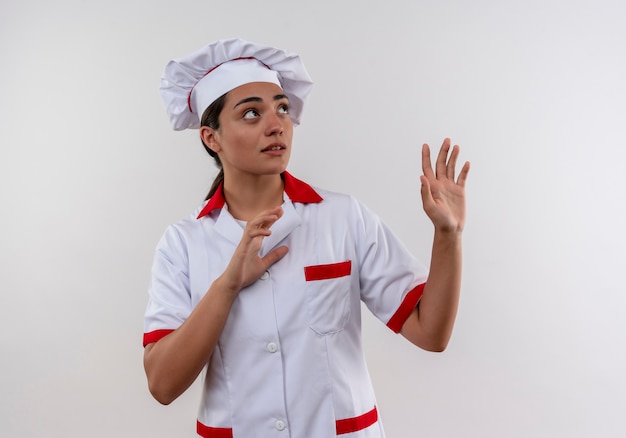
<point>210,118</point>
<point>216,183</point>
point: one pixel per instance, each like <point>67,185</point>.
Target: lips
<point>274,147</point>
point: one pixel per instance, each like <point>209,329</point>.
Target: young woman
<point>262,285</point>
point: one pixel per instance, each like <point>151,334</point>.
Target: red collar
<point>298,191</point>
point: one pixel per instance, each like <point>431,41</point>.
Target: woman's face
<point>255,131</point>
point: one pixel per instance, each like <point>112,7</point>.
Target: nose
<point>275,125</point>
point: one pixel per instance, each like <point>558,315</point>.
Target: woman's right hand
<point>174,362</point>
<point>246,266</point>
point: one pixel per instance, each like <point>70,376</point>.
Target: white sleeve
<point>391,278</point>
<point>169,302</point>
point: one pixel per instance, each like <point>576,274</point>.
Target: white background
<point>91,174</point>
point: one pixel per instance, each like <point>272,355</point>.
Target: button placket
<point>280,425</point>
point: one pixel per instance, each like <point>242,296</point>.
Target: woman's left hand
<point>443,197</point>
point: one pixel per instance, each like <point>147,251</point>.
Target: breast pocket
<point>328,296</point>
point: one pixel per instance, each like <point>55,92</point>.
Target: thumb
<point>427,196</point>
<point>275,256</point>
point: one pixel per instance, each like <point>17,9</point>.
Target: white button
<point>272,347</point>
<point>280,425</point>
<point>265,275</point>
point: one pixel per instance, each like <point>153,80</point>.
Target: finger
<point>260,227</point>
<point>263,221</point>
<point>275,256</point>
<point>258,231</point>
<point>451,166</point>
<point>276,211</point>
<point>463,174</point>
<point>427,167</point>
<point>427,196</point>
<point>267,218</point>
<point>440,165</point>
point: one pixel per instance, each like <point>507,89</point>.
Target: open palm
<point>443,198</point>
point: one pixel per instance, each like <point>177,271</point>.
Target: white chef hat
<point>191,83</point>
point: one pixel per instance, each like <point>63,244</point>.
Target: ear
<point>209,138</point>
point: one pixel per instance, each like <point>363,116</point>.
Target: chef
<point>261,286</point>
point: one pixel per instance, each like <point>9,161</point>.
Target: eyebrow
<point>258,99</point>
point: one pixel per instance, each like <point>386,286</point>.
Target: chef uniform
<point>289,361</point>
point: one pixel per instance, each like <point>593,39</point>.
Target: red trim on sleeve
<point>213,432</point>
<point>349,425</point>
<point>153,336</point>
<point>324,272</point>
<point>408,304</point>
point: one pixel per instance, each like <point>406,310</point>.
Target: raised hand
<point>245,266</point>
<point>443,198</point>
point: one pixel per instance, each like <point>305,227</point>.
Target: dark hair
<point>210,118</point>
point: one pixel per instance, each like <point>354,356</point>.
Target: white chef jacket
<point>290,361</point>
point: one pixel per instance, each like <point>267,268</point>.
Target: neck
<point>248,196</point>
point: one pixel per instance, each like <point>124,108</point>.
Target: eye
<point>283,109</point>
<point>250,114</point>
